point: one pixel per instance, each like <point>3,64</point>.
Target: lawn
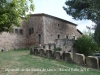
<point>20,62</point>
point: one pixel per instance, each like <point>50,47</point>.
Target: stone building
<point>39,29</point>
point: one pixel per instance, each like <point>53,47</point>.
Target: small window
<point>58,25</point>
<point>66,37</point>
<point>49,46</point>
<point>21,31</point>
<point>58,36</point>
<point>16,31</point>
<point>73,37</point>
<point>31,31</point>
<point>44,47</point>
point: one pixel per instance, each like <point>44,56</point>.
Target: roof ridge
<point>37,14</point>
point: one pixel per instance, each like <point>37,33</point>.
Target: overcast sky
<point>54,8</point>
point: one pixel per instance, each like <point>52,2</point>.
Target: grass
<point>20,62</point>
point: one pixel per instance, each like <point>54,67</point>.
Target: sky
<point>55,8</point>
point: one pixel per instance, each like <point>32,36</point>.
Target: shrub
<point>57,49</point>
<point>85,45</point>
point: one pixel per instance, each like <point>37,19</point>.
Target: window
<point>58,36</point>
<point>58,25</point>
<point>21,31</point>
<point>43,46</point>
<point>31,31</point>
<point>66,37</point>
<point>73,37</point>
<point>16,31</point>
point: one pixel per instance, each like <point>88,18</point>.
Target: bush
<point>57,49</point>
<point>85,45</point>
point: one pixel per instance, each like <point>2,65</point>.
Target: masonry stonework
<point>38,29</point>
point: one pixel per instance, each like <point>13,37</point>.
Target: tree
<point>85,9</point>
<point>11,12</point>
<point>86,44</point>
<point>97,34</point>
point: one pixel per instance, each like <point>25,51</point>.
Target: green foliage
<point>57,49</point>
<point>11,12</point>
<point>97,34</point>
<point>83,9</point>
<point>85,45</point>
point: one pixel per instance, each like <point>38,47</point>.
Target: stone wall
<point>15,39</point>
<point>79,59</point>
<point>92,62</point>
<point>35,22</point>
<point>12,41</point>
<point>38,29</point>
<point>55,28</point>
<point>65,44</point>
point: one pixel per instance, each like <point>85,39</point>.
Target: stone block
<point>32,51</point>
<point>42,52</point>
<point>63,55</point>
<point>49,53</point>
<point>68,57</point>
<point>36,51</point>
<point>46,46</point>
<point>52,46</point>
<point>58,55</point>
<point>92,62</point>
<point>79,59</point>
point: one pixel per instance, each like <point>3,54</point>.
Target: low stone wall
<point>42,52</point>
<point>79,59</point>
<point>32,51</point>
<point>49,46</point>
<point>63,55</point>
<point>76,58</point>
<point>92,62</point>
<point>58,55</point>
<point>68,57</point>
<point>36,51</point>
<point>49,53</point>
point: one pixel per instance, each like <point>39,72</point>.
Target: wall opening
<point>21,31</point>
<point>67,37</point>
<point>58,25</point>
<point>39,38</point>
<point>58,36</point>
<point>49,46</point>
<point>16,31</point>
<point>73,37</point>
<point>31,31</point>
<point>43,46</point>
